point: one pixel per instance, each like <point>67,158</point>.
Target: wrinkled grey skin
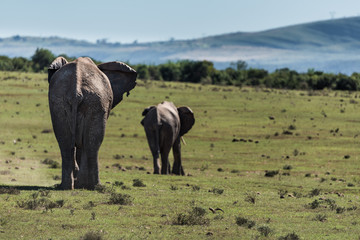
<point>81,95</point>
<point>164,125</point>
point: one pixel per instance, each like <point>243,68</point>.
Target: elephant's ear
<point>146,110</point>
<point>122,79</point>
<point>187,119</point>
<point>56,65</point>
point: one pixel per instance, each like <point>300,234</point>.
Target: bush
<point>170,71</point>
<point>244,222</point>
<point>271,173</point>
<point>142,71</point>
<point>138,183</point>
<point>42,59</point>
<point>6,64</point>
<point>218,191</point>
<point>51,163</point>
<point>92,236</point>
<point>39,203</point>
<point>9,190</point>
<point>121,199</point>
<point>196,216</point>
<point>290,236</point>
<point>265,231</point>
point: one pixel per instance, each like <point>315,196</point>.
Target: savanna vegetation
<point>261,164</point>
<point>204,72</point>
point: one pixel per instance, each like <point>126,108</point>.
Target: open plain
<point>259,164</point>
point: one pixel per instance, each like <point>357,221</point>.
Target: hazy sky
<point>157,20</point>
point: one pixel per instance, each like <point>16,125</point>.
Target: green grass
<point>313,196</point>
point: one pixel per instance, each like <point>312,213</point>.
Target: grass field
<point>279,164</point>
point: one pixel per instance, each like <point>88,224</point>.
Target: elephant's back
<point>62,86</point>
<point>80,79</point>
<point>93,83</point>
<point>167,111</point>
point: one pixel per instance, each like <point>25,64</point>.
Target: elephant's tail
<point>74,122</point>
<point>157,139</point>
<point>183,140</point>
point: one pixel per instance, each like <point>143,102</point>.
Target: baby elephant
<point>164,125</point>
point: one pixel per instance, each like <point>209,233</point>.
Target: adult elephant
<point>164,125</point>
<point>81,95</point>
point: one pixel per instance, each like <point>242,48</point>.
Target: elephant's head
<point>187,119</point>
<point>122,79</point>
<point>56,65</point>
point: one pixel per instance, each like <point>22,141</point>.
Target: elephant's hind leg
<point>88,176</point>
<point>153,142</point>
<point>177,168</point>
<point>165,147</point>
<point>67,148</point>
<point>67,177</point>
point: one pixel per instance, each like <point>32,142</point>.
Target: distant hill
<point>331,46</point>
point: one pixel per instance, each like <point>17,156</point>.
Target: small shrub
<point>314,204</point>
<point>3,222</point>
<point>322,180</point>
<point>235,171</point>
<point>331,203</point>
<point>320,217</point>
<point>117,156</point>
<point>121,199</point>
<point>56,177</point>
<point>44,203</point>
<point>217,191</point>
<point>60,203</point>
<point>101,188</point>
<point>271,173</point>
<point>353,208</point>
<point>118,184</point>
<point>195,188</point>
<point>282,193</point>
<point>287,167</point>
<point>265,231</point>
<point>51,163</point>
<point>244,222</point>
<point>292,127</point>
<point>196,216</point>
<point>340,210</point>
<point>44,193</point>
<point>89,205</point>
<point>251,197</point>
<point>314,192</point>
<point>124,187</point>
<point>297,194</point>
<point>9,190</point>
<point>173,188</point>
<point>204,167</point>
<point>138,183</point>
<point>308,175</point>
<point>92,235</point>
<point>286,132</point>
<point>290,236</point>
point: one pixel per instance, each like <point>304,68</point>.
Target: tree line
<point>237,74</point>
